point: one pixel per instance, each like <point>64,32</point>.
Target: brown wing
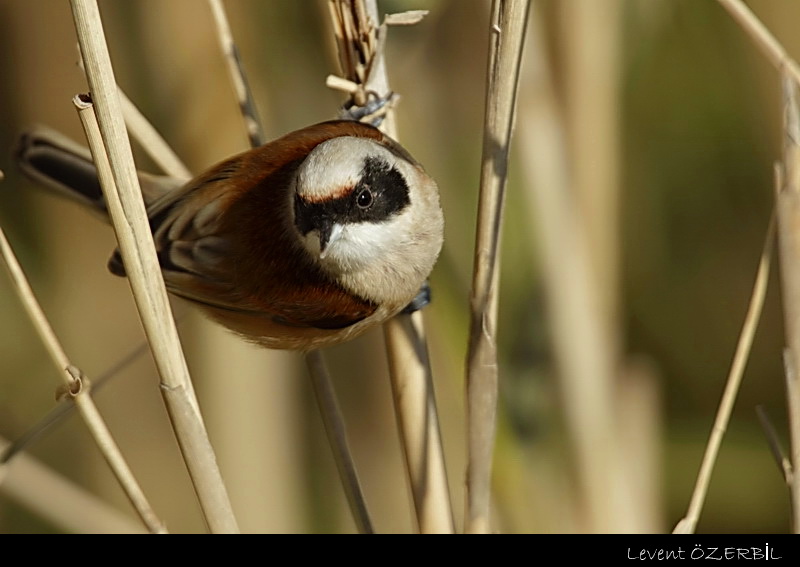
<point>225,240</point>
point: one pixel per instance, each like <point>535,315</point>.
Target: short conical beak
<point>328,234</point>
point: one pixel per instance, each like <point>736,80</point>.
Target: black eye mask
<point>381,193</point>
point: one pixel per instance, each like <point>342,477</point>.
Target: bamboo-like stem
<point>591,45</point>
<point>639,427</point>
<point>360,48</point>
<point>581,346</point>
<point>77,388</point>
<point>788,214</point>
<point>244,97</point>
<point>127,211</point>
<point>591,38</point>
<point>337,437</point>
<point>415,408</point>
<point>741,356</point>
<point>506,37</point>
<point>59,500</point>
<point>590,62</point>
<point>762,37</point>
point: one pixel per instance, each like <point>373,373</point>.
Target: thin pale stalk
<point>143,131</point>
<point>360,47</point>
<point>788,215</point>
<point>359,42</point>
<point>337,438</point>
<point>591,42</point>
<point>740,358</point>
<point>762,37</point>
<point>415,408</point>
<point>591,39</point>
<point>241,87</point>
<point>127,211</point>
<point>640,426</point>
<point>78,389</point>
<point>150,139</point>
<point>575,314</point>
<point>59,500</point>
<point>506,37</point>
<point>321,383</point>
<point>63,410</point>
<point>411,376</point>
<point>591,67</point>
<point>774,445</point>
<point>788,207</point>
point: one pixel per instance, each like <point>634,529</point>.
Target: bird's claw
<point>422,299</point>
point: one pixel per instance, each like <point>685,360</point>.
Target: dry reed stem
<point>244,97</point>
<point>789,248</point>
<point>335,430</point>
<point>591,32</point>
<point>591,61</point>
<point>640,430</point>
<point>765,41</point>
<point>771,433</point>
<point>788,222</point>
<point>321,383</point>
<point>688,523</point>
<point>153,143</point>
<point>415,408</point>
<point>61,411</point>
<point>506,37</point>
<point>360,48</point>
<point>129,218</point>
<point>333,420</point>
<point>143,131</point>
<point>359,42</point>
<point>337,437</point>
<point>59,500</point>
<point>76,387</point>
<point>575,314</point>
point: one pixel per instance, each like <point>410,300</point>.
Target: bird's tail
<point>65,167</point>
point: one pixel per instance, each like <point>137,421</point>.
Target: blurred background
<point>671,123</point>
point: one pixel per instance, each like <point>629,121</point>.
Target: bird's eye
<point>364,199</point>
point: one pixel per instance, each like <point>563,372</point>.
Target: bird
<point>304,242</point>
